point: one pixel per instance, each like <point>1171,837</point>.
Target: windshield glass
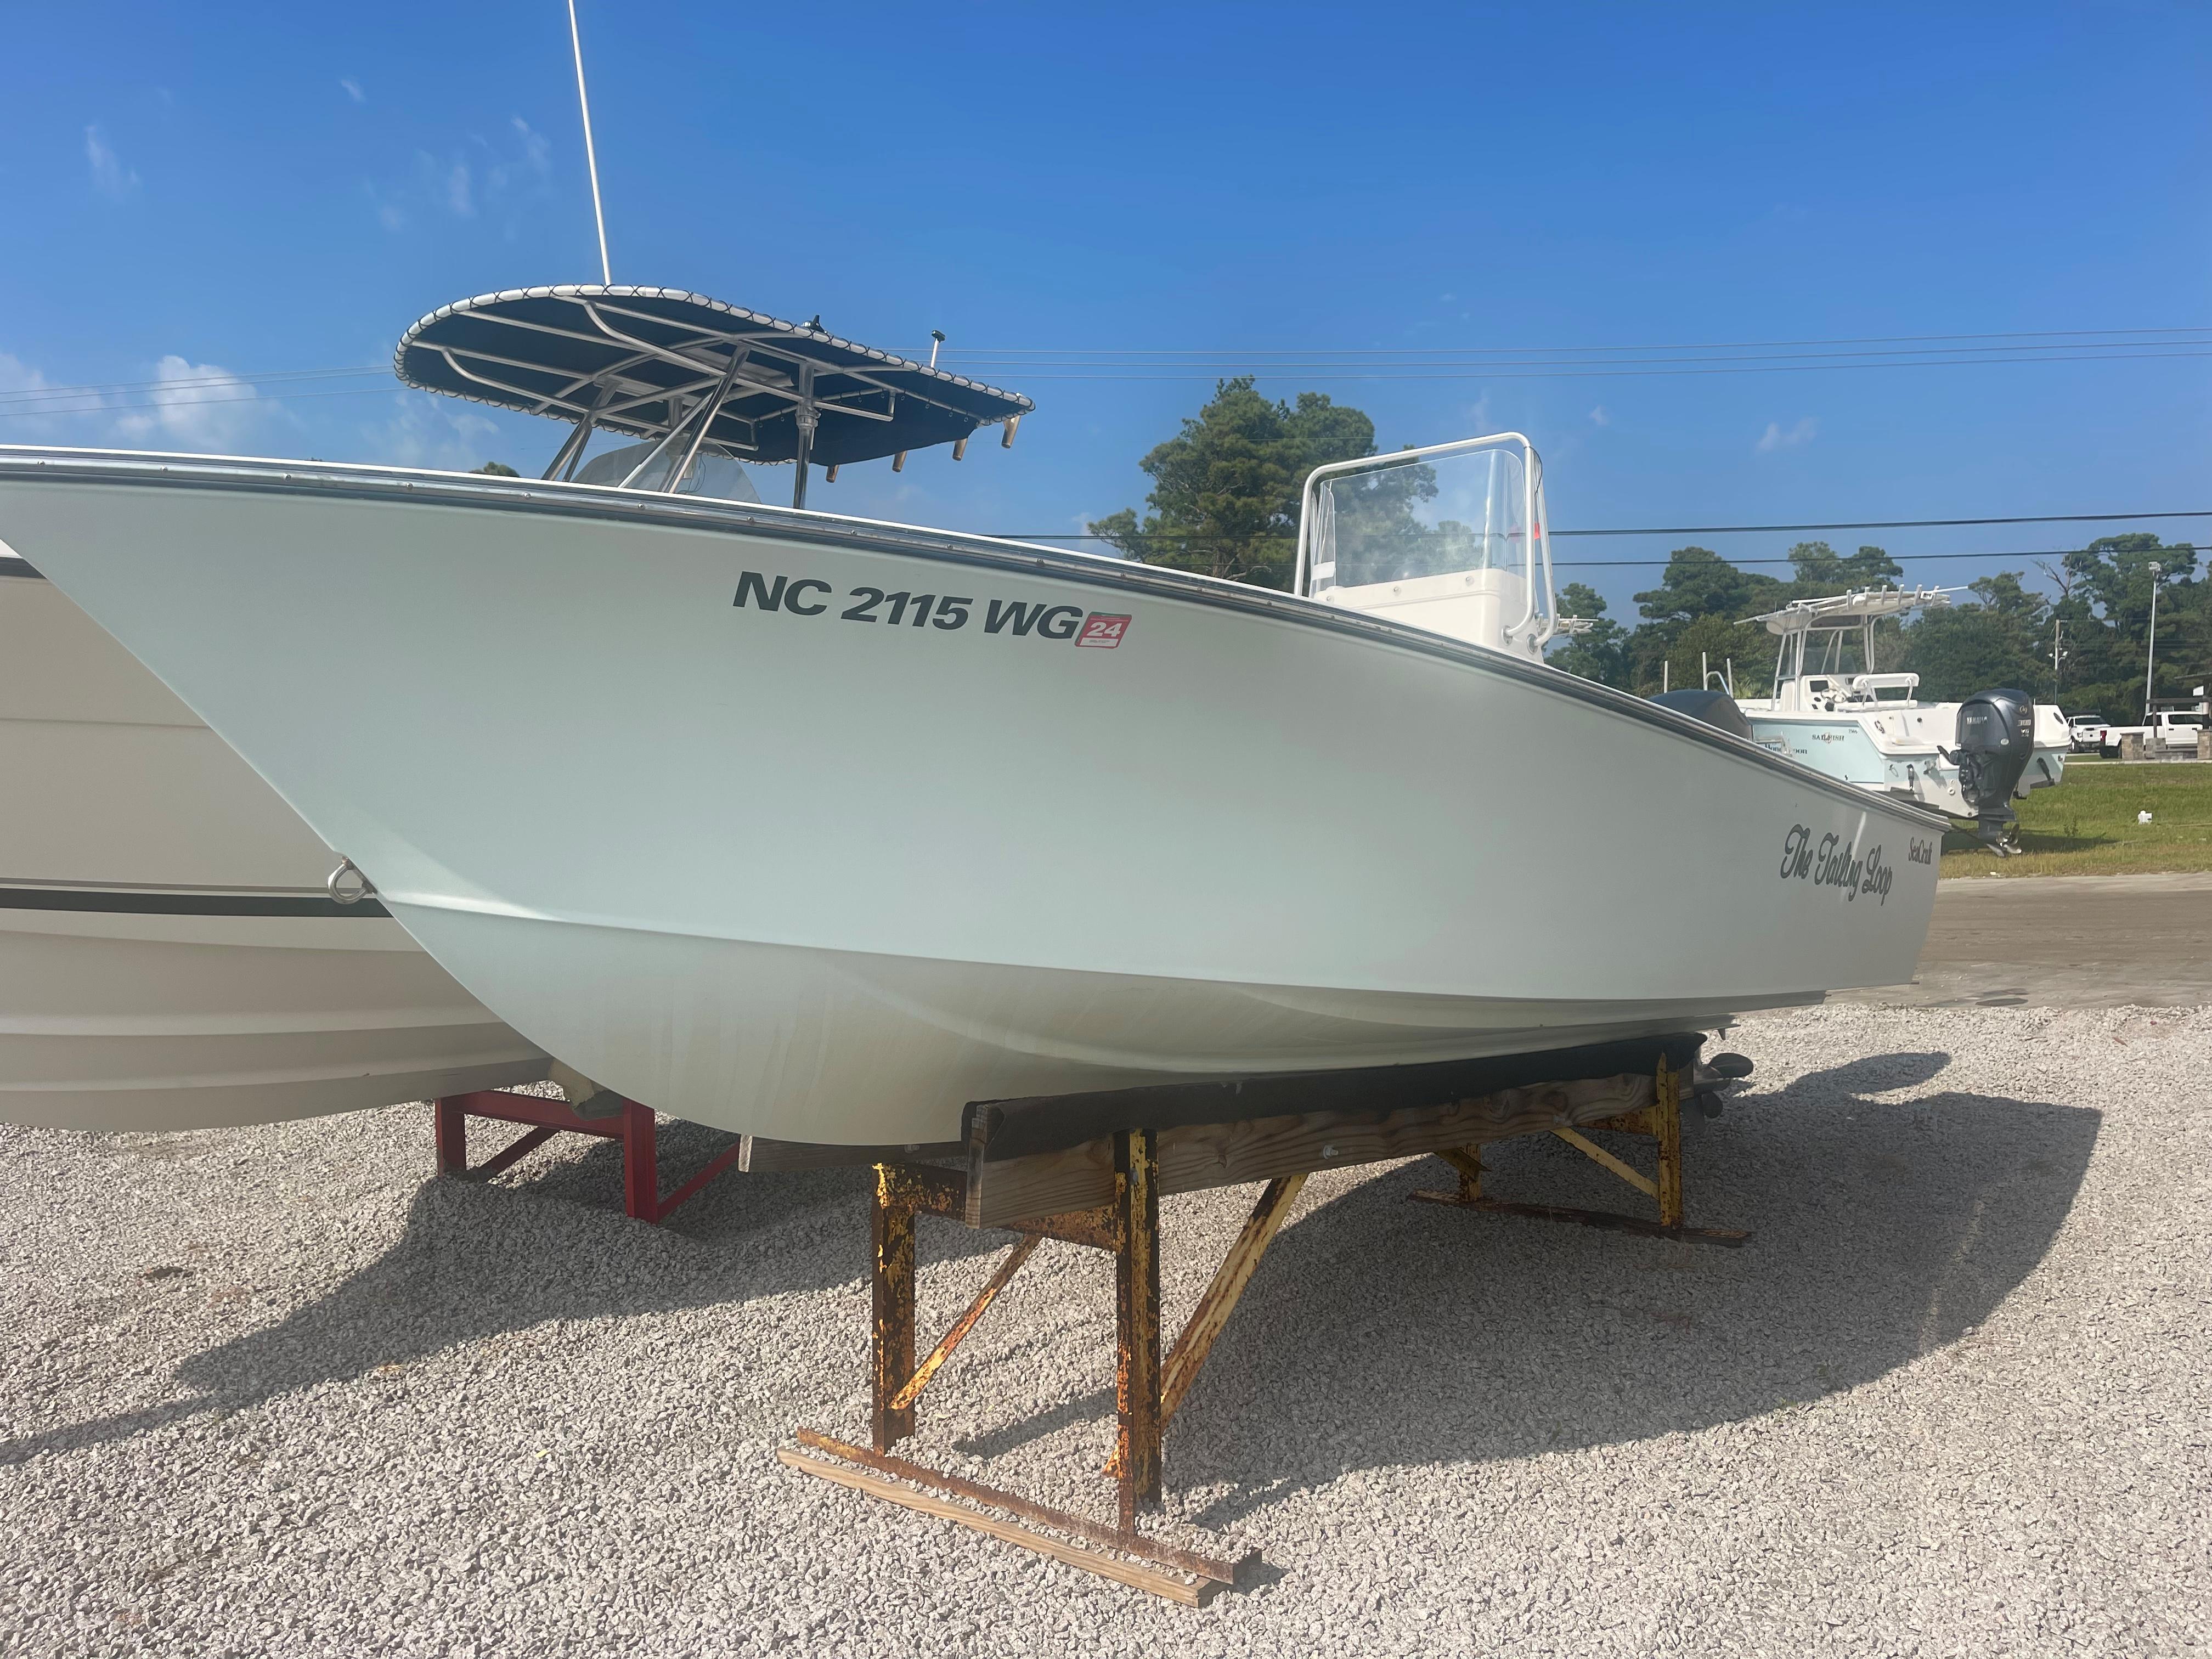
<point>1405,518</point>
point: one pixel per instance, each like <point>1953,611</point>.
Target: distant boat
<point>818,828</point>
<point>170,954</point>
<point>1871,729</point>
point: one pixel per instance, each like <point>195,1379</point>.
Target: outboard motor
<point>1997,740</point>
<point>1713,707</point>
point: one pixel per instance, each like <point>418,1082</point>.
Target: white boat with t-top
<point>1871,729</point>
<point>170,953</point>
<point>819,828</point>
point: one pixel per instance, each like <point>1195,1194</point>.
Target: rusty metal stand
<point>1661,1121</point>
<point>633,1127</point>
<point>1146,1389</point>
<point>1090,1170</point>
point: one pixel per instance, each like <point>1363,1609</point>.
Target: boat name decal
<point>1835,862</point>
<point>1921,851</point>
<point>948,612</point>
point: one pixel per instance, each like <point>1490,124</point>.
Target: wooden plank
<point>758,1154</point>
<point>1024,1127</point>
<point>1120,1569</point>
<point>1628,1172</point>
<point>1198,1156</point>
<point>1129,1543</point>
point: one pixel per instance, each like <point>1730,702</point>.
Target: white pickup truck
<point>2167,732</point>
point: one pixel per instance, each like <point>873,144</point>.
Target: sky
<point>197,192</point>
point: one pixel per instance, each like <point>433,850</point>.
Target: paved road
<point>2062,941</point>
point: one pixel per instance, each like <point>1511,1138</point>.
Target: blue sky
<point>249,189</point>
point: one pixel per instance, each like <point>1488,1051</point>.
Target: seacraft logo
<point>1835,862</point>
<point>1920,851</point>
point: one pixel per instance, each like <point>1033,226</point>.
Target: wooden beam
<point>1120,1569</point>
<point>1221,1571</point>
<point>1002,1193</point>
<point>1050,1123</point>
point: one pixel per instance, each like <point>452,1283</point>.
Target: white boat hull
<point>1899,749</point>
<point>168,957</point>
<point>824,878</point>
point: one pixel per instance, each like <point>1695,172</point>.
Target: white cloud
<point>433,432</point>
<point>1599,417</point>
<point>485,178</point>
<point>353,89</point>
<point>27,418</point>
<point>109,176</point>
<point>198,407</point>
<point>537,148</point>
<point>1778,437</point>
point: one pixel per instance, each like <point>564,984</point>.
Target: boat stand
<point>632,1126</point>
<point>1661,1121</point>
<point>1089,1169</point>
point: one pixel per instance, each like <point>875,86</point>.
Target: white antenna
<point>591,156</point>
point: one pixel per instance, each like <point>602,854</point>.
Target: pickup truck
<point>2085,732</point>
<point>2169,732</point>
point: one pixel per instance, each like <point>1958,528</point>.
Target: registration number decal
<point>947,613</point>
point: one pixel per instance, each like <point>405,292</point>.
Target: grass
<point>2086,825</point>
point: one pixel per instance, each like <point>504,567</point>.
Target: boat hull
<point>1899,749</point>
<point>667,790</point>
<point>168,957</point>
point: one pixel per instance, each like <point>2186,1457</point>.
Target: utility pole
<point>2150,651</point>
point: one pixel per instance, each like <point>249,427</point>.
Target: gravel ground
<point>270,1391</point>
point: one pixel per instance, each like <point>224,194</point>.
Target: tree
<point>1602,652</point>
<point>1225,489</point>
<point>1699,587</point>
<point>2106,610</point>
<point>1994,640</point>
<point>1821,570</point>
<point>499,470</point>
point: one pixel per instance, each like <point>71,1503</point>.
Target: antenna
<point>591,156</point>
<point>936,337</point>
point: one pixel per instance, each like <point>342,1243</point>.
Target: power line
<point>1710,345</point>
<point>220,379</point>
<point>1662,530</point>
<point>1901,558</point>
<point>1722,367</point>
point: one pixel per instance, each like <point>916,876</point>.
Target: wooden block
<point>1197,1157</point>
<point>1120,1569</point>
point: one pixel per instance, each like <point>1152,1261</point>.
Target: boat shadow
<point>1395,1333</point>
<point>547,1242</point>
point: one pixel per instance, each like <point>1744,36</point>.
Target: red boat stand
<point>548,1116</point>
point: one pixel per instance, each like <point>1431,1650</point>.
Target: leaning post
<point>1667,1129</point>
<point>1137,1319</point>
<point>890,1236</point>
